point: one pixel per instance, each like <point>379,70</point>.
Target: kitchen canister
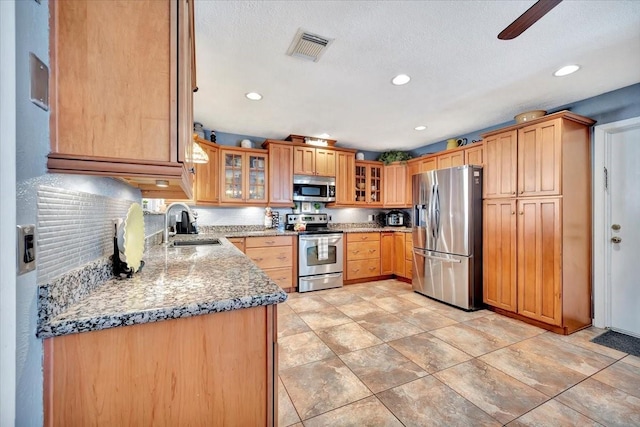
<point>246,143</point>
<point>359,156</point>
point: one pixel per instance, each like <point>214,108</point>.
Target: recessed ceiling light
<point>422,127</point>
<point>400,79</point>
<point>162,183</point>
<point>254,96</point>
<point>566,70</point>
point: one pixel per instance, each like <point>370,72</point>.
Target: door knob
<point>616,239</point>
<point>616,227</point>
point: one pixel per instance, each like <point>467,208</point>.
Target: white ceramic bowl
<point>527,116</point>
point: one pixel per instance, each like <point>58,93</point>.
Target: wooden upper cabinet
<point>539,159</point>
<point>345,178</point>
<point>499,253</point>
<point>207,190</point>
<point>280,174</point>
<point>449,160</point>
<point>325,162</point>
<point>395,185</point>
<point>121,100</point>
<point>540,259</point>
<point>474,155</point>
<point>314,161</point>
<point>244,177</point>
<point>368,183</point>
<point>304,160</point>
<point>499,172</point>
<point>413,167</point>
<point>428,164</point>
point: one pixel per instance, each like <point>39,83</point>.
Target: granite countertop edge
<point>65,327</point>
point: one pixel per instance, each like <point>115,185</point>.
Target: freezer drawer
<point>447,278</point>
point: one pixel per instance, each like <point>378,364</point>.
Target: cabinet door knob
<point>513,193</point>
<point>521,191</point>
<point>513,212</point>
<point>521,213</point>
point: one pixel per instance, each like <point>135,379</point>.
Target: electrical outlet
<point>26,248</point>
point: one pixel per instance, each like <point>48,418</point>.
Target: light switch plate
<point>26,256</point>
<point>39,82</point>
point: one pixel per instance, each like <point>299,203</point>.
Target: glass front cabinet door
<point>245,177</point>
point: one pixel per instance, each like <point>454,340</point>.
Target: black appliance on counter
<point>186,225</point>
<point>394,218</point>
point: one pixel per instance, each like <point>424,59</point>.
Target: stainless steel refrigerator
<point>447,235</point>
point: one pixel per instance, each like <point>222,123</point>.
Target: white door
<point>624,230</point>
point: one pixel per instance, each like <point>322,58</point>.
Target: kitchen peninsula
<point>190,339</point>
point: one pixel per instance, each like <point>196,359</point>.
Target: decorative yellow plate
<point>133,237</point>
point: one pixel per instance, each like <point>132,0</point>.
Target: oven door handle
<point>321,277</point>
<point>333,240</point>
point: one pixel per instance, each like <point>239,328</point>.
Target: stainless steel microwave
<point>314,188</point>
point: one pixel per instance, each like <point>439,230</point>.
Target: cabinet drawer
<point>257,242</point>
<point>282,276</point>
<point>272,258</point>
<point>362,237</point>
<point>363,268</point>
<point>408,269</point>
<point>364,250</point>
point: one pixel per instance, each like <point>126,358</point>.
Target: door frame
<point>7,213</point>
<point>603,135</point>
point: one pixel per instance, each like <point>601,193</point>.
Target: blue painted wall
<point>608,107</point>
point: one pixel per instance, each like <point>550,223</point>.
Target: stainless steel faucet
<point>165,234</point>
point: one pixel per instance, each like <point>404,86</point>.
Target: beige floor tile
<point>381,367</point>
<point>428,352</point>
<point>470,340</point>
<point>348,337</point>
<point>553,347</point>
<point>326,318</point>
<point>395,286</point>
<point>603,403</point>
<point>395,304</point>
<point>365,412</point>
<point>545,376</point>
<point>426,319</point>
<point>428,402</point>
<point>284,309</point>
<point>459,314</point>
<point>496,393</point>
<point>419,299</point>
<point>310,303</point>
<point>301,348</point>
<point>553,414</point>
<point>319,387</point>
<point>362,310</point>
<point>389,327</point>
<point>510,330</point>
<point>291,324</point>
<point>369,291</point>
<point>342,298</point>
<point>583,339</point>
<point>287,414</point>
<point>632,360</point>
<point>623,376</point>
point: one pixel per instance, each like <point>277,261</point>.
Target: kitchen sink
<point>201,242</point>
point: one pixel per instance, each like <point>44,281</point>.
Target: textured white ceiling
<point>463,77</point>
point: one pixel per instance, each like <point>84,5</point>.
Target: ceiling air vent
<point>309,46</point>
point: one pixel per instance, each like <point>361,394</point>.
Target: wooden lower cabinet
<point>398,255</point>
<point>238,242</point>
<point>499,253</point>
<point>362,255</point>
<point>215,369</point>
<point>276,256</point>
<point>408,255</point>
<point>534,268</point>
<point>387,253</point>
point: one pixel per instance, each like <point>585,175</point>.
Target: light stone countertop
<point>178,282</point>
<point>175,282</point>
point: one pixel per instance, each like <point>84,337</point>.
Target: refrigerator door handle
<point>432,228</point>
<point>436,202</point>
<point>425,254</point>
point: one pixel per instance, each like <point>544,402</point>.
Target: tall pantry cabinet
<point>537,221</point>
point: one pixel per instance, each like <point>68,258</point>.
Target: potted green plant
<point>389,157</point>
<point>317,207</point>
<point>296,208</point>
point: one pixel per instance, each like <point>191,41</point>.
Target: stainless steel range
<point>320,252</point>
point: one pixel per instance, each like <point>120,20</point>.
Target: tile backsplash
<point>73,228</point>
